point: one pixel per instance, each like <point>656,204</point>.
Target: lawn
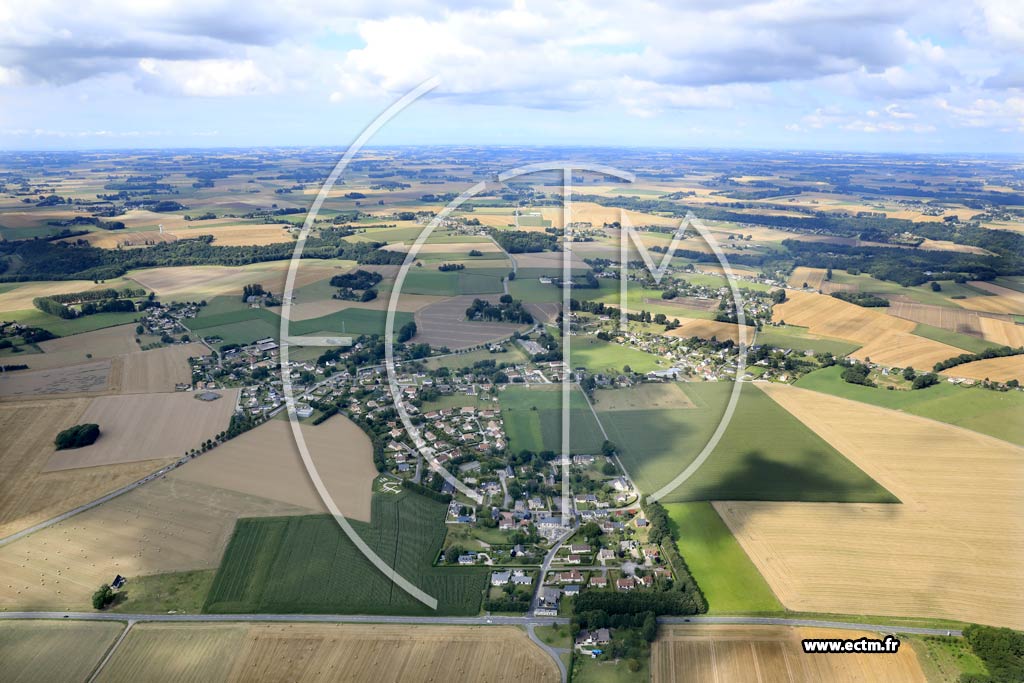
<point>961,341</point>
<point>180,591</point>
<point>765,454</point>
<point>306,564</point>
<point>729,580</point>
<point>995,413</point>
<point>67,328</point>
<point>601,356</point>
<point>588,670</point>
<point>533,420</point>
<point>799,339</point>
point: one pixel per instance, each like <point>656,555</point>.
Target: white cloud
<point>206,78</point>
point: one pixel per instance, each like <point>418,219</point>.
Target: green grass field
<point>765,454</point>
<point>239,324</point>
<point>961,341</point>
<point>532,290</point>
<point>729,580</point>
<point>513,354</point>
<point>922,294</point>
<point>307,564</point>
<point>533,420</point>
<point>601,356</point>
<point>67,328</point>
<point>798,339</point>
<point>181,591</point>
<point>994,413</point>
<point>429,280</point>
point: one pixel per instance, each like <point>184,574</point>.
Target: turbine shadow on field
<point>755,477</point>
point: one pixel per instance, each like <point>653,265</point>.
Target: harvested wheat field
<point>996,369</point>
<point>73,380</point>
<point>899,349</point>
<point>28,494</point>
<point>410,303</point>
<point>265,462</point>
<point>1002,331</point>
<point>445,247</point>
<point>445,324</point>
<point>237,235</point>
<point>168,524</point>
<point>307,653</point>
<point>945,317</point>
<point>146,427</point>
<point>203,282</point>
<point>156,370</point>
<point>597,215</point>
<point>812,276</point>
<point>944,552</point>
<point>19,297</point>
<point>727,654</point>
<point>886,339</point>
<point>48,651</point>
<point>83,348</point>
<point>706,329</point>
<point>1004,300</point>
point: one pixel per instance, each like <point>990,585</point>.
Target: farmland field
<point>685,654</point>
<point>989,412</point>
<point>444,324</point>
<point>308,565</point>
<point>726,576</point>
<point>28,494</point>
<point>47,651</point>
<point>265,462</point>
<point>886,339</point>
<point>171,524</point>
<point>997,369</point>
<point>315,653</point>
<point>798,339</point>
<point>959,340</point>
<point>599,356</point>
<point>533,420</point>
<point>709,329</point>
<point>813,277</point>
<point>765,454</point>
<point>941,553</point>
<point>146,427</point>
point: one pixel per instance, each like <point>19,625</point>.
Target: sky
<point>864,75</point>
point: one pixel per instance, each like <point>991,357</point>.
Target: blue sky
<point>898,75</point>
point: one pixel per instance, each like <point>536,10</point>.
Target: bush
<point>77,436</point>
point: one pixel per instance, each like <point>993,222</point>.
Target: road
<point>546,564</point>
<point>528,622</point>
<point>467,621</point>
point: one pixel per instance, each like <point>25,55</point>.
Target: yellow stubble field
<point>996,369</point>
<point>309,653</point>
<point>29,494</point>
<point>47,651</point>
<point>884,338</point>
<point>1003,300</point>
<point>947,551</point>
<point>737,654</point>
